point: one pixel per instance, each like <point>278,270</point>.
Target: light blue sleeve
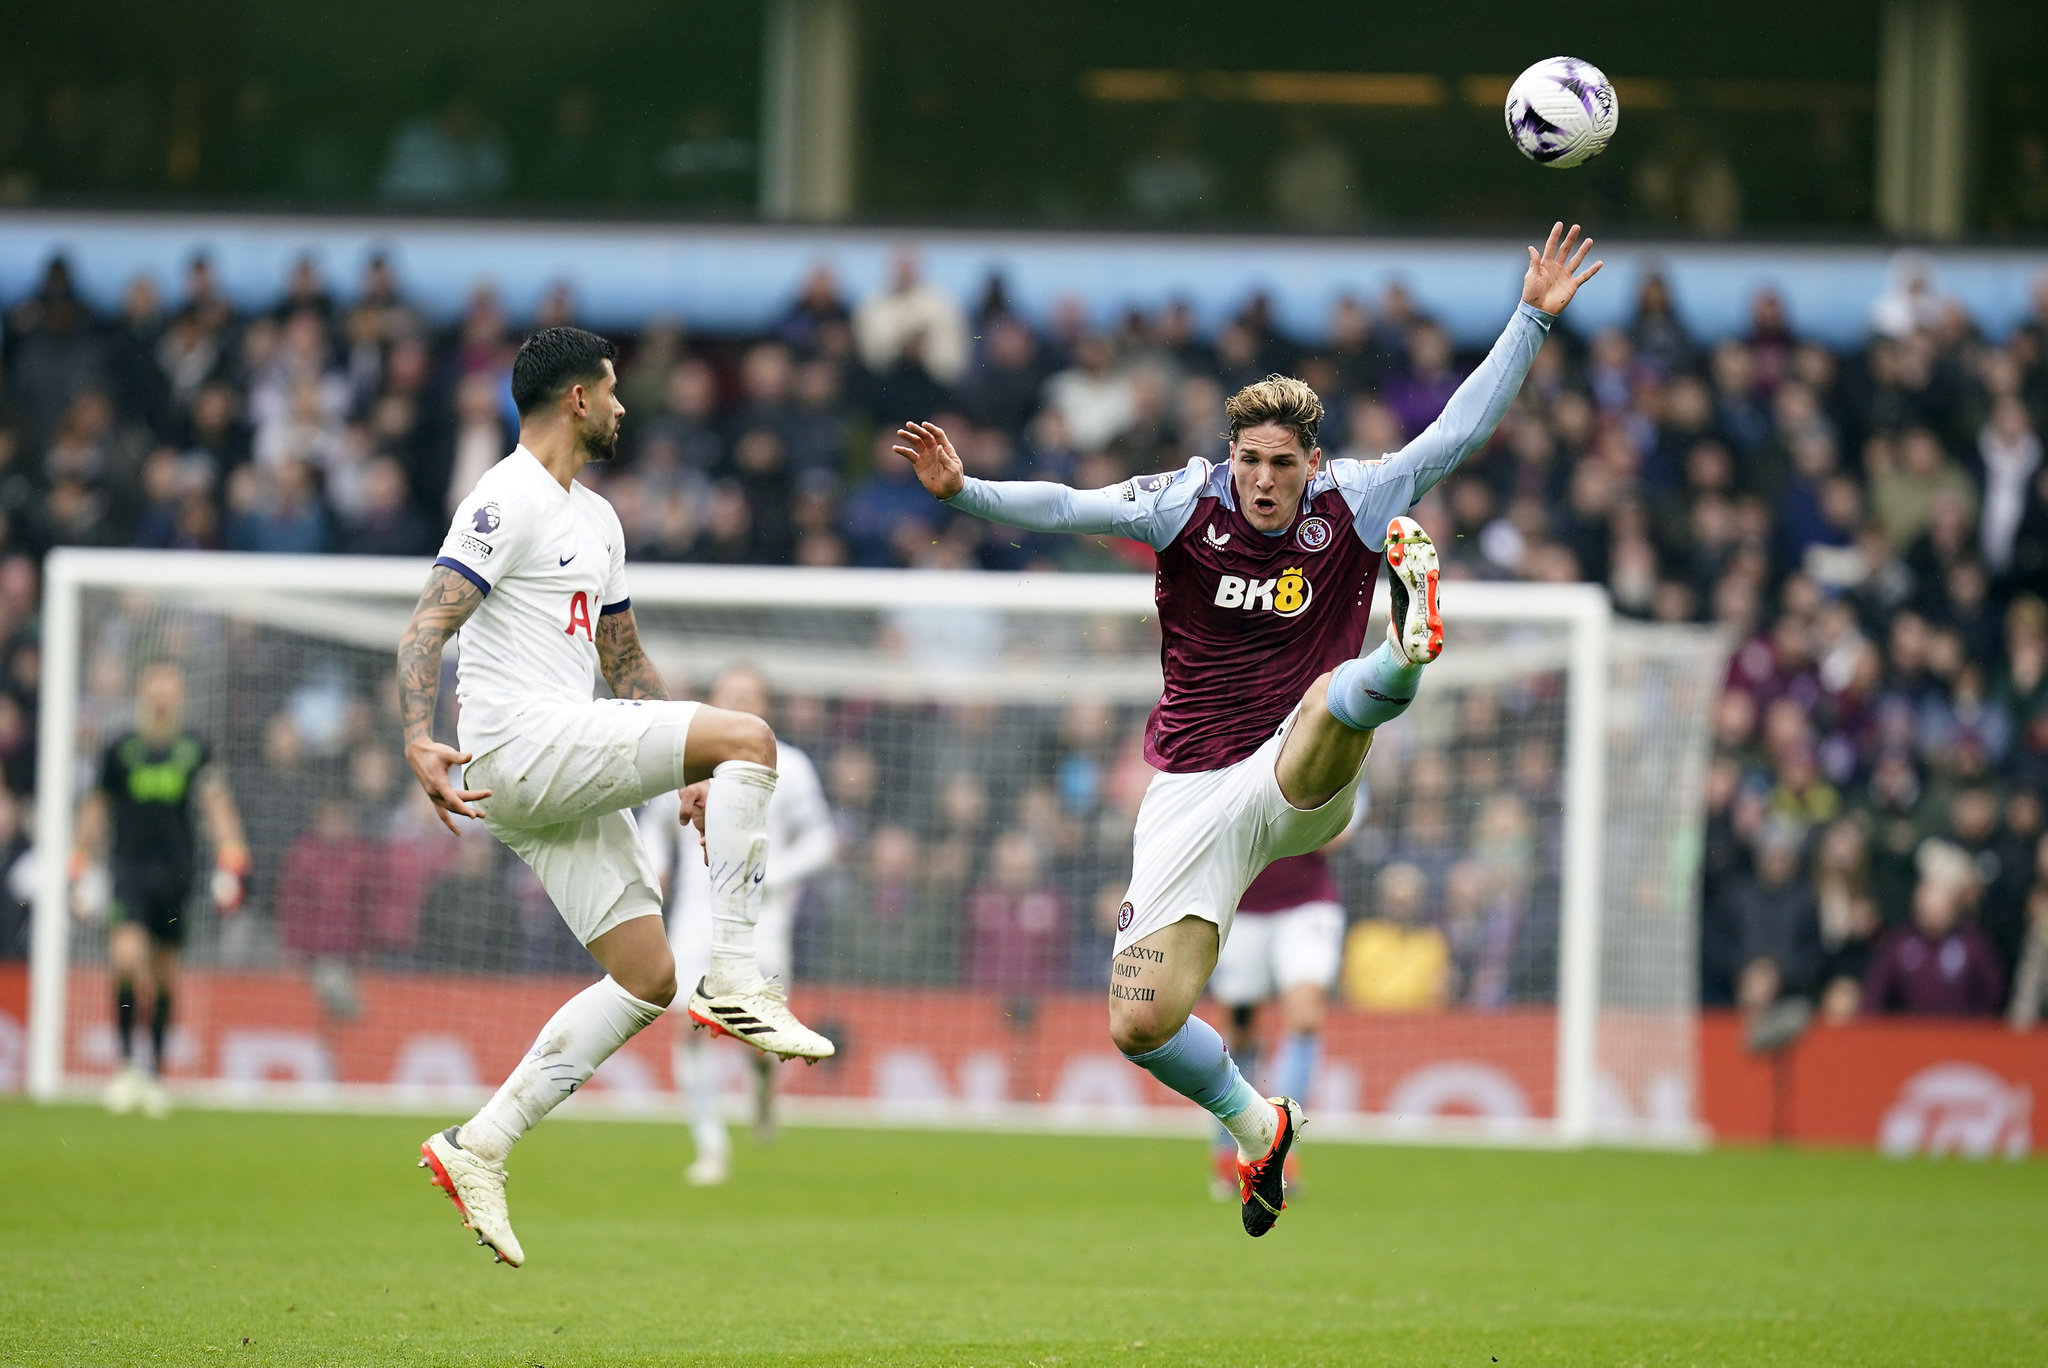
<point>1151,508</point>
<point>1380,490</point>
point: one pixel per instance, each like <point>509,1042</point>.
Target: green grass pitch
<point>218,1238</point>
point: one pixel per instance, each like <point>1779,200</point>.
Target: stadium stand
<point>1871,524</point>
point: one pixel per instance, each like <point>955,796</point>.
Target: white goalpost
<point>977,737</point>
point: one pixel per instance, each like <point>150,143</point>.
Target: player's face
<point>1270,471</point>
<point>160,698</point>
<point>600,430</point>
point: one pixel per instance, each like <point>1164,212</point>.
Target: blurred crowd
<point>1869,526</point>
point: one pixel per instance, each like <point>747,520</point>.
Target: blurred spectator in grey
<point>1095,399</point>
<point>1659,337</point>
<point>912,307</point>
<point>1778,924</point>
<point>455,157</point>
<point>687,418</point>
<point>1314,179</point>
<point>1173,180</point>
<point>884,925</point>
<point>464,927</point>
<point>1939,965</point>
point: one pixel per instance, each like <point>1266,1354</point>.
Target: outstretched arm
<point>626,666</point>
<point>1135,508</point>
<point>444,606</point>
<point>1482,401</point>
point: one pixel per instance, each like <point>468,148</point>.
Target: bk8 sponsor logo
<point>1288,595</point>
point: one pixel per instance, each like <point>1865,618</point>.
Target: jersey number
<point>579,615</point>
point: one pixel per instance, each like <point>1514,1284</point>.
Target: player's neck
<point>555,446</point>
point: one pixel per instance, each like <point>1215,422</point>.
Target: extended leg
<point>1333,731</point>
<point>127,964</point>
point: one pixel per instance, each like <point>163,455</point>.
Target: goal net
<point>1520,895</point>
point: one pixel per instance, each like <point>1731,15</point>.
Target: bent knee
<point>753,740</point>
<point>1140,1028</point>
<point>654,984</point>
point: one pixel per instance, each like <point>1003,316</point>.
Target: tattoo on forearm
<point>444,606</point>
<point>626,666</point>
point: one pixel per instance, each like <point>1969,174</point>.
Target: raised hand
<point>930,453</point>
<point>1555,277</point>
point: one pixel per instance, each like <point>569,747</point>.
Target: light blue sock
<point>1370,690</point>
<point>1196,1065</point>
<point>1247,1066</point>
<point>1299,1055</point>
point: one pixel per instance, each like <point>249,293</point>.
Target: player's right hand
<point>92,888</point>
<point>930,453</point>
<point>431,761</point>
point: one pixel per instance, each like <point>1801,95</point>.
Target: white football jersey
<point>551,562</point>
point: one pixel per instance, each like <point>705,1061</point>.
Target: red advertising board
<point>1903,1086</point>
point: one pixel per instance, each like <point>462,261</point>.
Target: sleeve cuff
<point>459,568</point>
<point>621,606</point>
<point>1543,320</point>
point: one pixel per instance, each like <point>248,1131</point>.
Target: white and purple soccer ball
<point>1562,111</point>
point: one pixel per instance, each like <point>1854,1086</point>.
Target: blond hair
<point>1278,399</point>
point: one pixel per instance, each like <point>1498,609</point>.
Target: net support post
<point>56,741</point>
<point>1585,817</point>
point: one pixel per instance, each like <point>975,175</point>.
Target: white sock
<point>736,851</point>
<point>697,1075</point>
<point>1254,1128</point>
<point>578,1038</point>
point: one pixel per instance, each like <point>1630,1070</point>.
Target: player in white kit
<point>533,575</point>
<point>802,841</point>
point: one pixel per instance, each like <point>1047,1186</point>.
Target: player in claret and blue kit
<point>1265,576</point>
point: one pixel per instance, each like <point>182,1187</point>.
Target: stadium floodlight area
<point>979,738</point>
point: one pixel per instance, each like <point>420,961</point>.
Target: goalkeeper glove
<point>230,872</point>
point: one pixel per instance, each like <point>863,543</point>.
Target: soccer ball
<point>1562,111</point>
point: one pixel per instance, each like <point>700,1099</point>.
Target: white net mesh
<point>983,766</point>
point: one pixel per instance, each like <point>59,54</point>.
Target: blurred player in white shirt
<point>533,575</point>
<point>802,841</point>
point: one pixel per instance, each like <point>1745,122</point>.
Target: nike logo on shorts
<point>566,559</point>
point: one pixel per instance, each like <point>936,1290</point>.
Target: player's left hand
<point>1554,277</point>
<point>694,798</point>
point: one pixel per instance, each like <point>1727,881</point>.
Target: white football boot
<point>758,1016</point>
<point>1415,625</point>
<point>477,1187</point>
<point>156,1102</point>
<point>123,1093</point>
<point>707,1169</point>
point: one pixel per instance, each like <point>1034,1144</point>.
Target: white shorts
<point>1202,838</point>
<point>689,935</point>
<point>560,790</point>
<point>1270,952</point>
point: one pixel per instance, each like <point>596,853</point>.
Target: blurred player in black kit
<point>141,812</point>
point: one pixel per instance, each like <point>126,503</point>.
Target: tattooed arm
<point>626,666</point>
<point>445,605</point>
